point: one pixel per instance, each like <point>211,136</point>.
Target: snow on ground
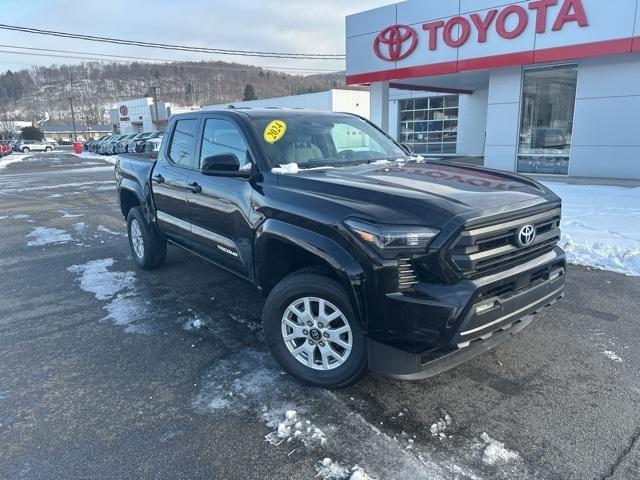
<point>317,424</point>
<point>103,229</point>
<point>66,214</point>
<point>612,356</point>
<point>9,159</point>
<point>601,226</point>
<point>41,236</point>
<point>494,452</point>
<point>112,159</point>
<point>329,470</point>
<point>125,308</point>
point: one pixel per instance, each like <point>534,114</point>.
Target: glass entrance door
<point>548,103</point>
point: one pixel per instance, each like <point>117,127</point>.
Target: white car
<point>50,141</point>
<point>27,146</point>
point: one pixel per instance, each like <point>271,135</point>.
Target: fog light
<point>555,275</point>
<point>485,307</point>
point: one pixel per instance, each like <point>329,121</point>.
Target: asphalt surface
<point>108,372</point>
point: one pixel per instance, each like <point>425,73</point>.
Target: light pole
<point>155,103</point>
<point>73,119</point>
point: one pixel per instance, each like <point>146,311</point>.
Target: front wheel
<point>48,149</point>
<point>312,331</point>
<point>26,150</point>
<point>148,248</point>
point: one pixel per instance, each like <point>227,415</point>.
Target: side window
<point>223,137</point>
<point>182,143</point>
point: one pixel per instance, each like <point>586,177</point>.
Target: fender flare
<point>340,260</point>
<point>135,188</point>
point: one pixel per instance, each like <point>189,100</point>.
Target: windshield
<point>312,140</point>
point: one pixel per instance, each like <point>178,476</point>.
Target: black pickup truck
<point>370,259</point>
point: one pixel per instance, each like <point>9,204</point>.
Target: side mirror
<point>225,163</point>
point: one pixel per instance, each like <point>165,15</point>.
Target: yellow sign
<point>275,131</point>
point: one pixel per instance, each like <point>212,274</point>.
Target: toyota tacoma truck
<point>370,259</point>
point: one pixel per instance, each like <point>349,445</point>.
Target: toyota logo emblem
<point>526,235</point>
<point>395,43</point>
<point>124,111</point>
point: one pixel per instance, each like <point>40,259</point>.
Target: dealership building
<point>544,86</point>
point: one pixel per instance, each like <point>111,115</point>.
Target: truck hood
<point>418,193</point>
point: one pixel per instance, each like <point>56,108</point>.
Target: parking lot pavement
<point>111,372</point>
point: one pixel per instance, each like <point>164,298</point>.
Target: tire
<point>279,319</point>
<point>148,248</point>
<point>26,150</point>
<point>48,149</point>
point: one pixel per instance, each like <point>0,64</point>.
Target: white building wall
<point>472,124</point>
<point>605,131</point>
<point>352,101</point>
<point>503,118</point>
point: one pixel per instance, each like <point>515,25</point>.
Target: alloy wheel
<point>137,241</point>
<point>317,333</point>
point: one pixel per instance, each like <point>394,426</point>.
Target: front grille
<point>406,275</point>
<point>482,250</point>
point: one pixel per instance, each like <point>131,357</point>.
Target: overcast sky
<point>299,26</point>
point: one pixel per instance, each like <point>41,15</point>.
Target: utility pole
<point>73,119</point>
<point>155,103</point>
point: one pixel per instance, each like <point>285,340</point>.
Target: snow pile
<point>601,226</point>
<point>41,236</point>
<point>329,470</point>
<point>495,452</point>
<point>293,427</point>
<point>612,356</point>
<point>438,428</point>
<point>194,324</point>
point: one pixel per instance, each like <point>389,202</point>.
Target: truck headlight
<point>393,238</point>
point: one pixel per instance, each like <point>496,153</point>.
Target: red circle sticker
<point>124,111</point>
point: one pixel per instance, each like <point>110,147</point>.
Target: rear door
<point>170,177</point>
<point>220,204</point>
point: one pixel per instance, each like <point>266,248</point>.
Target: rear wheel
<point>312,332</point>
<point>48,149</point>
<point>148,248</point>
<point>26,150</point>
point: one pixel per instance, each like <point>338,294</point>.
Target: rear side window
<point>182,143</point>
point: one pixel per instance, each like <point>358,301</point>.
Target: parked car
<point>107,147</point>
<point>132,144</point>
<point>369,259</point>
<point>49,141</point>
<point>152,144</point>
<point>91,144</point>
<point>5,149</point>
<point>122,145</point>
<point>27,146</point>
<point>65,141</point>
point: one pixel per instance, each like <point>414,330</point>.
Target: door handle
<point>194,187</point>
<point>158,178</point>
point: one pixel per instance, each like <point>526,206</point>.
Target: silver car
<point>27,146</point>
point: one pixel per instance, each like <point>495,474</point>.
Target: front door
<point>171,176</point>
<point>220,205</point>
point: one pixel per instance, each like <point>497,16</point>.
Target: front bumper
<point>443,327</point>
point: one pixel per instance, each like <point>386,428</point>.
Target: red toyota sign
<point>395,43</point>
<point>124,111</point>
<point>398,42</point>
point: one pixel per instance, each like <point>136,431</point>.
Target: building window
<point>430,125</point>
<point>548,103</point>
